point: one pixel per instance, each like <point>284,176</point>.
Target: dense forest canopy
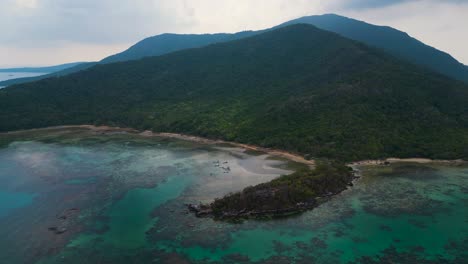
<point>297,88</point>
<point>287,194</point>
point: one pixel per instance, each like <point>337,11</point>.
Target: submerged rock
<point>200,210</point>
<point>57,230</point>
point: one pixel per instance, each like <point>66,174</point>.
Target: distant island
<point>286,195</point>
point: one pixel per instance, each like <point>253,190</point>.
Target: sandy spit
<point>107,129</point>
<point>273,152</point>
<point>406,160</point>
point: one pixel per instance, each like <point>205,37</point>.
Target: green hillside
<point>297,88</point>
<point>391,40</point>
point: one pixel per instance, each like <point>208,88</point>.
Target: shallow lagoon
<point>128,193</point>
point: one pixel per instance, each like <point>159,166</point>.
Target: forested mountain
<point>166,43</point>
<point>297,88</point>
<point>391,40</point>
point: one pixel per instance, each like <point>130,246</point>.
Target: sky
<point>50,32</point>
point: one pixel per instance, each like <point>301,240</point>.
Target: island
<point>286,195</point>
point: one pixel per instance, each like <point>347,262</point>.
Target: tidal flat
<point>77,196</point>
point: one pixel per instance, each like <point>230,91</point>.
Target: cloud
<point>53,25</point>
<point>26,3</point>
<point>86,21</point>
<point>360,4</point>
<point>55,31</point>
<point>53,22</point>
<point>46,55</point>
<point>370,4</point>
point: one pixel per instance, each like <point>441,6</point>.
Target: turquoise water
<point>123,197</point>
<point>130,216</point>
<point>417,221</point>
<point>13,200</point>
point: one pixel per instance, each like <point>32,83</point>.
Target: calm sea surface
<point>71,196</point>
<point>13,75</point>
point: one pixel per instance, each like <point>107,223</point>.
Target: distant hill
<point>391,40</point>
<point>166,43</point>
<point>297,88</point>
<point>48,69</point>
<point>153,46</point>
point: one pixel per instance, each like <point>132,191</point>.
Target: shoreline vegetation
<point>286,195</point>
<point>274,152</point>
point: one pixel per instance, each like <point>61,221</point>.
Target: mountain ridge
<point>156,45</point>
<point>159,45</point>
<point>384,37</point>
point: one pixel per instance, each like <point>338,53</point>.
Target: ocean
<point>73,196</point>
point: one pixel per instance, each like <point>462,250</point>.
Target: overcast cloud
<point>47,32</point>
